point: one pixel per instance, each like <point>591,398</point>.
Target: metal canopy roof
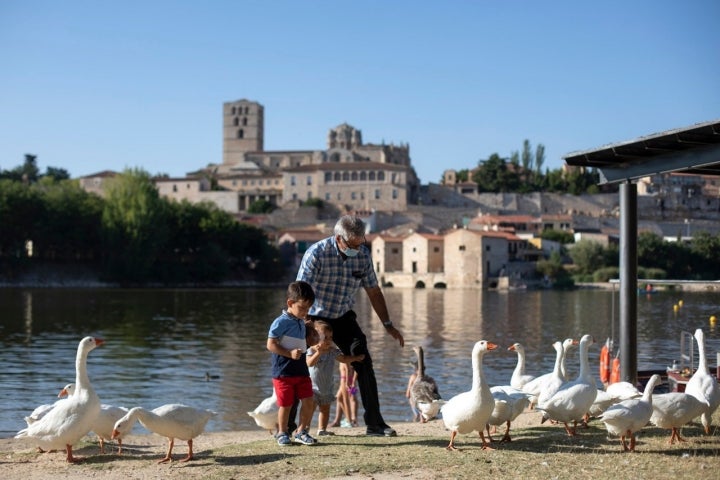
<point>694,149</point>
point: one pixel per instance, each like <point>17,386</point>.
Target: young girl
<point>321,362</point>
<point>346,398</point>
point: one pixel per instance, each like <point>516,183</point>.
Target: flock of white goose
<point>621,407</point>
<point>62,424</point>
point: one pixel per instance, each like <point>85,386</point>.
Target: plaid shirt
<point>335,279</point>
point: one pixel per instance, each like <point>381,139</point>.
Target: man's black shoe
<point>384,431</point>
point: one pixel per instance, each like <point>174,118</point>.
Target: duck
<point>172,421</point>
<point>42,410</point>
<point>573,399</point>
<point>510,402</point>
<point>629,416</point>
<point>424,394</point>
<point>72,417</point>
<point>105,423</point>
<point>702,385</point>
<point>266,414</point>
<point>673,410</point>
<point>471,410</point>
<point>519,377</point>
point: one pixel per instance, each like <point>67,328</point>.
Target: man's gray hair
<point>350,226</point>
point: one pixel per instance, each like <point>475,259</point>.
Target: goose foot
<point>451,445</point>
<point>190,452</point>
<point>168,458</point>
<point>70,458</point>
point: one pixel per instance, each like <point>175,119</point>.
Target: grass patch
<point>536,453</point>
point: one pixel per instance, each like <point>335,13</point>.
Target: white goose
<point>72,418</point>
<point>171,421</point>
<point>555,380</point>
<point>424,394</point>
<point>105,423</point>
<point>42,410</point>
<point>623,391</point>
<point>266,414</point>
<point>535,386</point>
<point>614,393</point>
<point>510,402</point>
<point>573,399</point>
<point>673,410</point>
<point>471,410</point>
<point>629,416</point>
<point>702,385</point>
<point>519,377</point>
<point>568,344</point>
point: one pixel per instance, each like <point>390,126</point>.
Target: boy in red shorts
<point>291,377</point>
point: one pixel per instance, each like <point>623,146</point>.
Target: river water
<point>206,347</point>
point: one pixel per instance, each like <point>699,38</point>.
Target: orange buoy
<point>605,364</point>
<point>615,373</point>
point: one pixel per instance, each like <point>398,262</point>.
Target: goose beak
<point>491,346</point>
<point>115,433</point>
<point>511,347</point>
<point>62,393</point>
<point>99,341</point>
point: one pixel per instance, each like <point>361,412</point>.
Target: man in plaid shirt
<point>337,267</point>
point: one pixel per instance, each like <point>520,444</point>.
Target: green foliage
<point>261,206</point>
<point>554,271</point>
<point>463,175</point>
<point>605,274</point>
<point>314,202</point>
<point>134,224</point>
<point>492,175</point>
<point>651,273</point>
<point>587,256</point>
<point>560,236</point>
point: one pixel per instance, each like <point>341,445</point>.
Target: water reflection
<point>207,347</point>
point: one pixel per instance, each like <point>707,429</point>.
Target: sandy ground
<point>20,460</point>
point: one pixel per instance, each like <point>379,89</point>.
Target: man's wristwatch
<point>388,324</point>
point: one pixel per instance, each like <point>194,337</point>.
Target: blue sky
<point>96,85</point>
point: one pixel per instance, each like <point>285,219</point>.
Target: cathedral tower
<point>243,129</point>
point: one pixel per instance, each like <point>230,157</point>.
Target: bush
<point>605,274</point>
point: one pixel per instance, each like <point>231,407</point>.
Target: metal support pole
<point>628,282</point>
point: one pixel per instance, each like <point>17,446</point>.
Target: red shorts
<point>287,389</point>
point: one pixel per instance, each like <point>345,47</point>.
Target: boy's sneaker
<point>324,433</point>
<point>282,439</point>
<point>304,438</point>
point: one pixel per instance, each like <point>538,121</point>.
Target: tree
<point>135,225</point>
<point>539,158</point>
<point>492,175</point>
<point>560,236</point>
<point>553,270</point>
<point>57,174</point>
<point>261,206</point>
<point>527,160</point>
<point>587,256</point>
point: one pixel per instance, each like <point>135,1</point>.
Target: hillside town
<point>444,234</point>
